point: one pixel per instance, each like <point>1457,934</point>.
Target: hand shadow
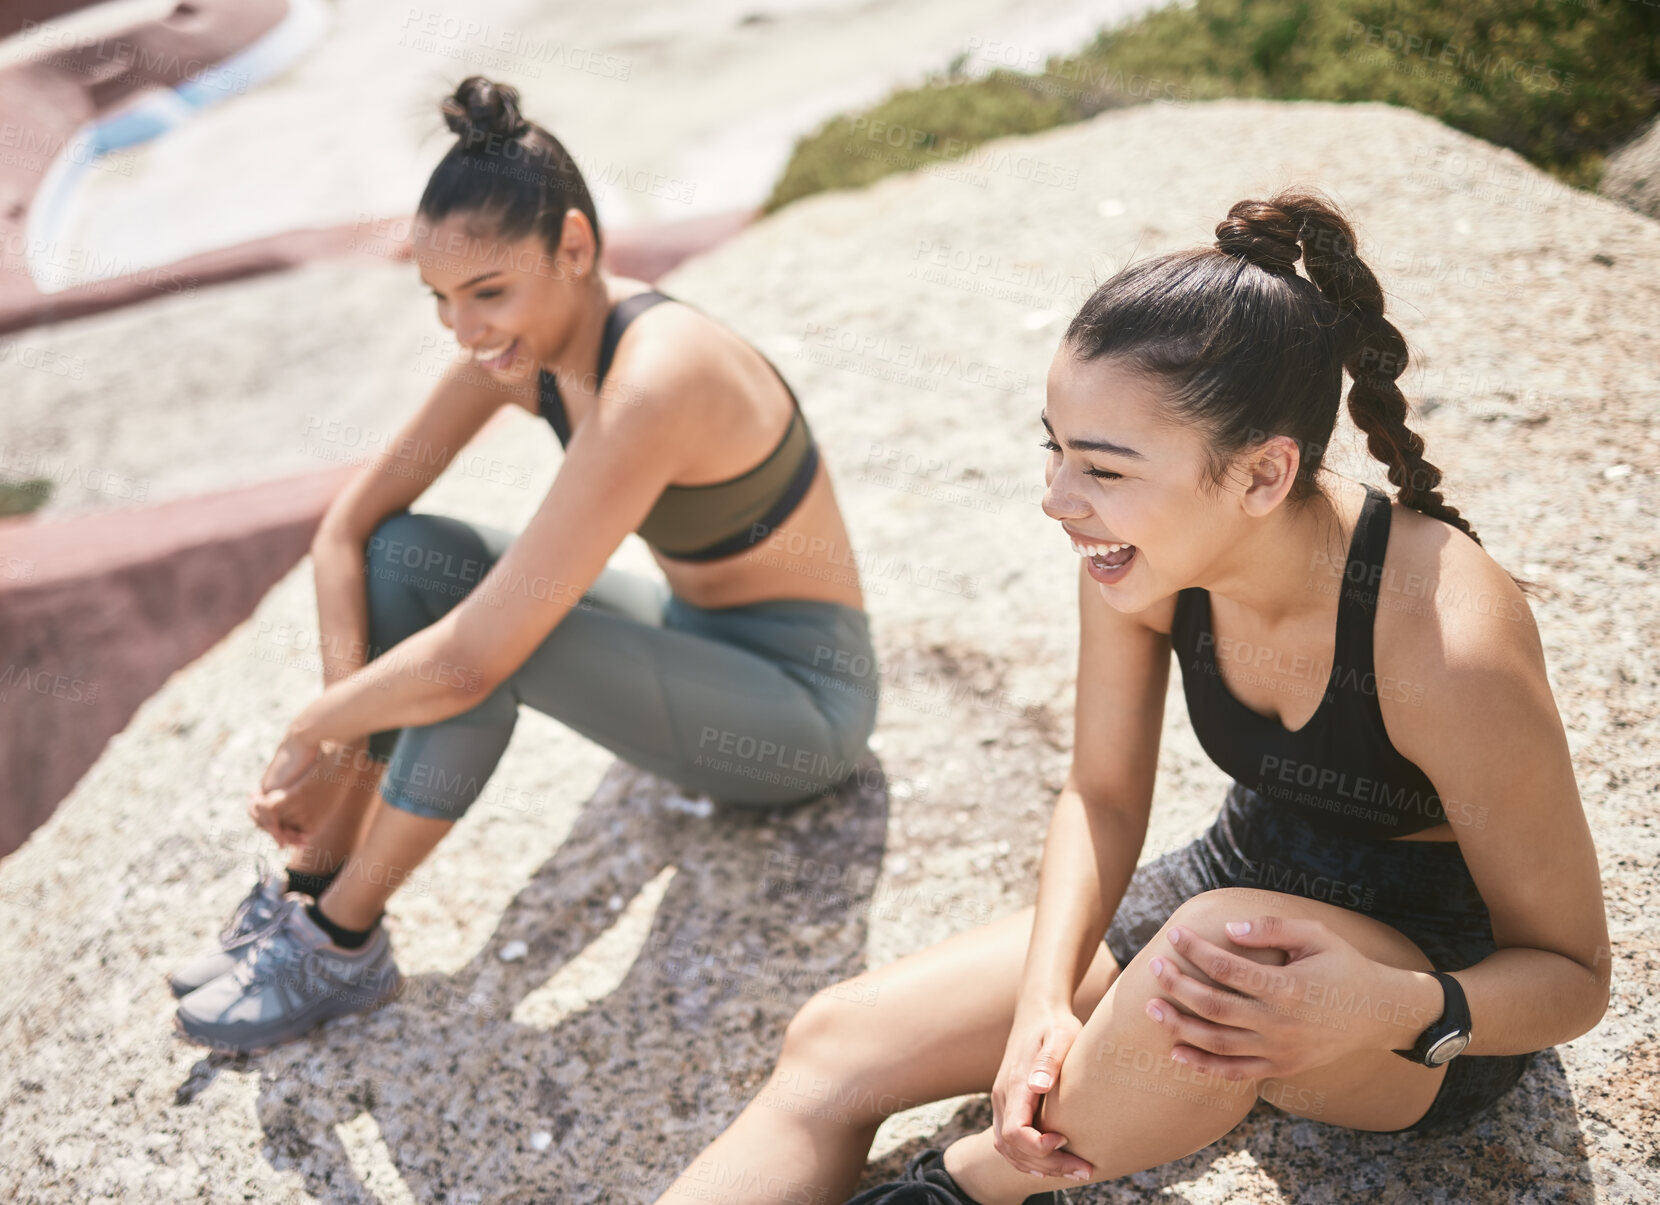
<point>620,1076</point>
<point>1496,1160</point>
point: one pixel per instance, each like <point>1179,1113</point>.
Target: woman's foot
<point>289,979</point>
<point>252,916</point>
<point>926,1182</point>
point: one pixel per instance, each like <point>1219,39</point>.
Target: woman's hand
<point>294,795</point>
<point>1261,1021</point>
<point>1031,1065</point>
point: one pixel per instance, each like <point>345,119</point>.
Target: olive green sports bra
<point>723,518</point>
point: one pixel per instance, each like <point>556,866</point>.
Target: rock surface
<point>1632,176</point>
<point>666,949</point>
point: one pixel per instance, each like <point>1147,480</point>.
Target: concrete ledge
<point>97,612</point>
<point>646,252</point>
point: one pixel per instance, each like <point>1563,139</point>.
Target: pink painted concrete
<point>646,252</point>
<point>97,612</point>
<point>44,100</point>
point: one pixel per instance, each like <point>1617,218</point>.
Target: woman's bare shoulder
<point>1447,607</point>
<point>1438,578</point>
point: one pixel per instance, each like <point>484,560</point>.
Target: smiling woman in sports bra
<point>1399,901</point>
<point>734,676</point>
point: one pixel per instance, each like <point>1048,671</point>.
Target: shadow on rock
<point>654,962</point>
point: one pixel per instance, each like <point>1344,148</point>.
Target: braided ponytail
<point>1374,352</point>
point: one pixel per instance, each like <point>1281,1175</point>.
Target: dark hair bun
<point>1262,233</point>
<point>481,109</point>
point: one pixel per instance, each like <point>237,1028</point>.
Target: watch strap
<point>1454,1018</point>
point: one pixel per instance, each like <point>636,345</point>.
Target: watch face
<point>1446,1049</point>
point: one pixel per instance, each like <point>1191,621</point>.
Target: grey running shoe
<point>255,913</point>
<point>289,980</point>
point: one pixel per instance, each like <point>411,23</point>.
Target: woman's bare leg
<point>935,1025</point>
<point>1125,1106</point>
<point>926,1027</point>
<point>394,844</point>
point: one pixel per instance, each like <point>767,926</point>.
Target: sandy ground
<point>667,949</point>
<point>675,109</point>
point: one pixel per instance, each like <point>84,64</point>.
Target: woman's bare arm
<point>617,464</point>
<point>1489,737</point>
<point>459,405</point>
<point>1100,819</point>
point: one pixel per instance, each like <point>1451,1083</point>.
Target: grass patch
<point>934,126</point>
<point>1561,82</point>
<point>23,497</point>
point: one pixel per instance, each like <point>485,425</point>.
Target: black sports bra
<point>723,518</point>
<point>1339,770</point>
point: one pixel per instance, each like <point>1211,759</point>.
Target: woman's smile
<point>497,357</point>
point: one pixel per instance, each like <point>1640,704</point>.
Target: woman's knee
<point>416,568</point>
<point>1125,1050</point>
<point>820,1029</point>
<point>826,1041</point>
<point>1207,914</point>
<point>420,547</point>
<point>393,533</point>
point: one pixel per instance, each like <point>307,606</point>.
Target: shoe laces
<point>257,961</point>
<point>247,916</point>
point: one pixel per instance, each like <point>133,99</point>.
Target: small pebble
<point>1615,471</point>
<point>540,1141</point>
<point>615,903</point>
<point>513,951</point>
<point>700,806</point>
<point>899,865</point>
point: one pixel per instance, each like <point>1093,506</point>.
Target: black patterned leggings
<point>1421,888</point>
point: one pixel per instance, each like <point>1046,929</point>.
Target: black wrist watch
<point>1446,1038</point>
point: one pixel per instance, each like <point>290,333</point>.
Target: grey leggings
<point>763,704</point>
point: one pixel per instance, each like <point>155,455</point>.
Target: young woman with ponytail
<point>1399,901</point>
<point>746,673</point>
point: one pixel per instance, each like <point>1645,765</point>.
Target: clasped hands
<point>300,786</point>
<point>1254,1021</point>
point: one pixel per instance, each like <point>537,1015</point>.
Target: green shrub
<point>1561,82</point>
<point>22,497</point>
<point>931,126</point>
